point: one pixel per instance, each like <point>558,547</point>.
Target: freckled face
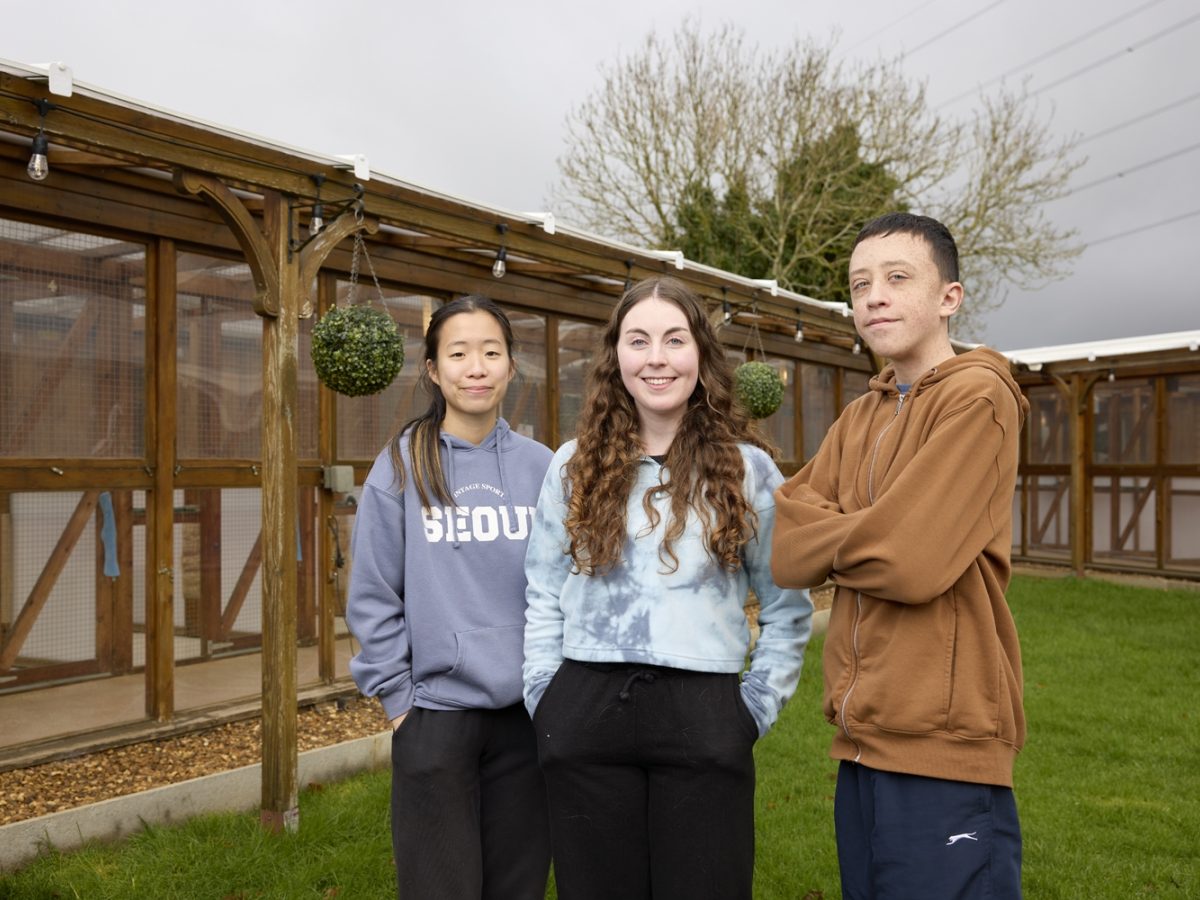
<point>901,302</point>
<point>660,362</point>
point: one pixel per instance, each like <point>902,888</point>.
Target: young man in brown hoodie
<point>907,509</point>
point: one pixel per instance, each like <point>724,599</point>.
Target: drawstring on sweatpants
<point>639,675</point>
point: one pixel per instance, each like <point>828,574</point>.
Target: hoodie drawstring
<point>640,675</point>
<point>450,481</point>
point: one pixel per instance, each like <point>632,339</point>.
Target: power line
<point>890,25</point>
<point>954,27</point>
<point>1146,165</point>
<point>1141,228</point>
<point>1134,46</point>
<point>1054,51</point>
<point>1142,118</point>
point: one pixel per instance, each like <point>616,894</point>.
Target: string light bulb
<point>1112,375</point>
<point>39,164</point>
<point>500,266</point>
<point>726,312</point>
<point>857,348</point>
<point>317,222</point>
<point>799,332</point>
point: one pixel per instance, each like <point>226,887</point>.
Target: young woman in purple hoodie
<point>437,603</point>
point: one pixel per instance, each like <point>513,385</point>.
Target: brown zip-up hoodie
<point>907,508</point>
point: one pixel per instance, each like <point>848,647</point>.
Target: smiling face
<point>660,364</point>
<point>901,302</point>
<point>473,370</point>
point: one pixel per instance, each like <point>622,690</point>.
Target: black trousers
<point>468,806</point>
<point>650,774</point>
<point>906,837</point>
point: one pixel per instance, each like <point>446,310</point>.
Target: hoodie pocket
<point>487,668</point>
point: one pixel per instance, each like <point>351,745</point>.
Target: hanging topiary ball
<point>356,350</point>
<point>759,388</point>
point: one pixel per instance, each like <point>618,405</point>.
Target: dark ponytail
<point>425,429</point>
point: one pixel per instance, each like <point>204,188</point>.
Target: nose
<point>476,368</point>
<point>657,355</point>
<point>877,294</point>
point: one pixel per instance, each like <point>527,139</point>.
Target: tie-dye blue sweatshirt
<point>692,618</point>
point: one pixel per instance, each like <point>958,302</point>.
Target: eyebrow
<point>674,330</point>
<point>484,341</point>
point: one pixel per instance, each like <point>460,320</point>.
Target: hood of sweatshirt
<point>984,357</point>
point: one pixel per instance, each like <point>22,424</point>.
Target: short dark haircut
<point>941,242</point>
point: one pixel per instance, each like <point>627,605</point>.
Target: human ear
<point>952,297</point>
<point>431,371</point>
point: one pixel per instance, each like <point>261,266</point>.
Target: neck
<point>657,433</point>
<point>909,370</point>
<point>469,428</point>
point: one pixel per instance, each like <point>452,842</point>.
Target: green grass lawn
<point>1108,785</point>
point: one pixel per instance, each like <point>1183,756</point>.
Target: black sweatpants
<point>905,837</point>
<point>468,806</point>
<point>650,774</point>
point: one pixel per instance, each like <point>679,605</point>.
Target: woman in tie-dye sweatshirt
<point>650,529</point>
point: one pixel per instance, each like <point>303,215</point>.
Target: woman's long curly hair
<point>704,466</point>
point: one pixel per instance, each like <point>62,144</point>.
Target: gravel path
<point>27,793</point>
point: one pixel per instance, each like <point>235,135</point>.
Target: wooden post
<point>327,571</point>
<point>280,810</point>
<point>1080,489</point>
<point>160,500</point>
<point>282,277</point>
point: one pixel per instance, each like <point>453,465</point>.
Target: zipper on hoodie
<point>858,594</point>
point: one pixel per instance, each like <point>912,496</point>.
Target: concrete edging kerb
<point>234,791</point>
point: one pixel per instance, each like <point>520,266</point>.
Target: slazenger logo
<point>476,523</point>
<point>955,838</point>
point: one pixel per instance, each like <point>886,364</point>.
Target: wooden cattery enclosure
<point>172,492</point>
<point>167,457</point>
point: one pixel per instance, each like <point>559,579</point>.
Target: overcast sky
<point>469,98</point>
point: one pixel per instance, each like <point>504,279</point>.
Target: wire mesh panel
<point>1183,544</point>
<point>72,344</point>
<point>818,402</point>
<point>1048,528</point>
<point>1183,420</point>
<point>219,363</point>
<point>525,403</point>
<point>577,343</point>
<point>364,424</point>
<point>1048,429</point>
<point>54,575</point>
<point>1124,422</point>
<point>854,385</point>
<point>1123,520</point>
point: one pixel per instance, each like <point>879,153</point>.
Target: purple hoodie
<point>437,596</point>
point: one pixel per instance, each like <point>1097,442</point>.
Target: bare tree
<point>768,163</point>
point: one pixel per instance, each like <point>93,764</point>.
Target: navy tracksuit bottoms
<point>905,837</point>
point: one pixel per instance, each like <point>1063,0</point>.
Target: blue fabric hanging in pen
<point>108,536</point>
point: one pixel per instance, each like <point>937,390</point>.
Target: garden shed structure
<point>172,474</point>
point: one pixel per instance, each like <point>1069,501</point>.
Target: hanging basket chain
<point>357,349</point>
